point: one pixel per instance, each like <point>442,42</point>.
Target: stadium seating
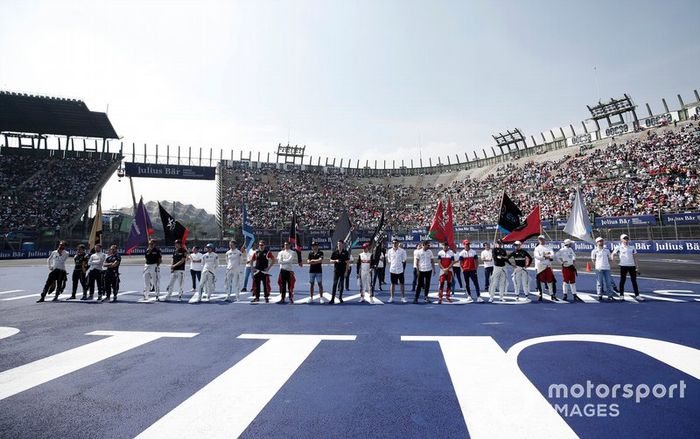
<point>48,188</point>
<point>651,172</point>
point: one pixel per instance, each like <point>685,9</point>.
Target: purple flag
<point>141,228</point>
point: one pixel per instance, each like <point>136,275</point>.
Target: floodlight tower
<point>510,138</point>
<point>616,107</point>
<point>291,153</point>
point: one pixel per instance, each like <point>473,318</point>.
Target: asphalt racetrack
<point>216,369</point>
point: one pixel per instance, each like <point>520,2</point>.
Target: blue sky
<point>353,79</point>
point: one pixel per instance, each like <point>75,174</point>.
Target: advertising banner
<point>625,221</point>
<point>681,218</point>
<point>169,171</point>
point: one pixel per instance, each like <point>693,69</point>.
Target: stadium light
<point>510,138</point>
<point>615,107</point>
<point>291,153</point>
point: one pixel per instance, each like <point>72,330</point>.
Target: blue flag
<point>247,230</point>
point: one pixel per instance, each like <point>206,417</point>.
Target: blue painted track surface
<point>376,386</point>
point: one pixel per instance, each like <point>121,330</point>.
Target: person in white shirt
<point>211,262</point>
<point>487,258</point>
<point>285,258</point>
<point>396,258</point>
<point>629,264</point>
<point>95,273</point>
<point>248,267</point>
<point>364,259</point>
<point>567,258</point>
<point>57,271</point>
<point>544,256</point>
<point>601,256</point>
<point>195,259</point>
<point>234,263</point>
<point>423,259</point>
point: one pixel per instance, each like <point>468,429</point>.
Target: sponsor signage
<point>472,228</point>
<point>681,218</point>
<point>169,171</point>
<point>625,221</point>
<point>581,139</point>
<point>691,246</point>
<point>659,119</point>
<point>617,130</point>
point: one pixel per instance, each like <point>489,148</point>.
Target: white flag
<point>579,225</point>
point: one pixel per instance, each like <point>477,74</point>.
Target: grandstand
<point>645,166</point>
<point>645,173</point>
<point>46,191</point>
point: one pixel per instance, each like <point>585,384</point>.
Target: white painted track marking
<point>25,377</point>
<point>6,331</point>
<point>228,404</point>
<point>507,394</point>
<point>10,291</point>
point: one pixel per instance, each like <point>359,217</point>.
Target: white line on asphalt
<point>6,331</point>
<point>226,406</point>
<point>21,297</point>
<point>663,299</point>
<point>484,415</point>
<point>25,377</point>
<point>587,298</point>
<point>11,291</point>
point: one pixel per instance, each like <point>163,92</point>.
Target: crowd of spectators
<point>45,192</point>
<point>652,173</point>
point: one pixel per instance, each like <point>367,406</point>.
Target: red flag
<point>449,226</point>
<point>437,228</point>
<point>531,228</point>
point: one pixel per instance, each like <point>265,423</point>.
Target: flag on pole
<point>579,223</point>
<point>343,230</point>
<point>449,226</point>
<point>248,235</point>
<point>376,239</point>
<point>141,228</point>
<point>96,231</point>
<point>294,239</point>
<point>149,226</point>
<point>172,228</point>
<point>376,236</point>
<point>509,217</point>
<point>437,228</point>
<point>530,228</point>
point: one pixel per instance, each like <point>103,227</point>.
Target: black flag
<point>294,240</point>
<point>509,217</point>
<point>172,229</point>
<point>376,237</point>
<point>343,230</point>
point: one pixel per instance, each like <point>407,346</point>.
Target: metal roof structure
<point>23,113</point>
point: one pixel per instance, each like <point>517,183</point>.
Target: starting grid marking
<point>231,401</point>
<point>458,298</point>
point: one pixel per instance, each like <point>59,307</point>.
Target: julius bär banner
<point>169,171</point>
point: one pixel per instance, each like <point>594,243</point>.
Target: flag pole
<point>500,207</point>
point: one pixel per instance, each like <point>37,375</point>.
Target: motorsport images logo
<point>592,400</point>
